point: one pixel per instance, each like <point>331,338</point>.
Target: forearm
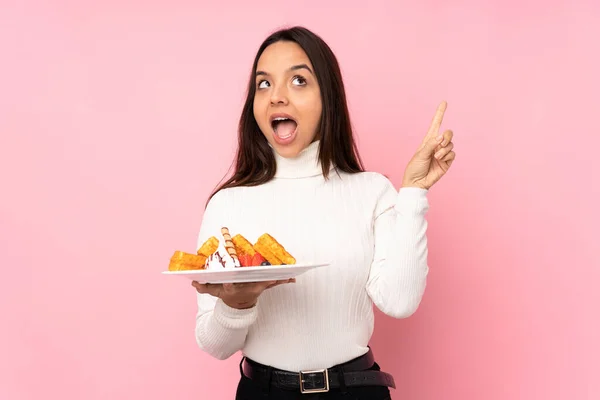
<point>221,330</point>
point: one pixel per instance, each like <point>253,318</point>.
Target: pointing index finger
<point>437,120</point>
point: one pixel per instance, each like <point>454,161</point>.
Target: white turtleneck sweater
<point>373,236</point>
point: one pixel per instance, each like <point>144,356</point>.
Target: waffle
<point>273,251</point>
<point>239,248</point>
<point>243,246</point>
<point>182,261</point>
<point>209,247</point>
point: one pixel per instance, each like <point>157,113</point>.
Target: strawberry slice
<point>245,260</point>
<point>258,259</point>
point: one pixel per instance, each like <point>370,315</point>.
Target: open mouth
<point>283,126</point>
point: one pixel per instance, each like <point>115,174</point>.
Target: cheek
<point>259,111</point>
<point>256,107</point>
<point>318,110</point>
<point>314,110</point>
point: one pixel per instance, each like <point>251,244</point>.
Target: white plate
<point>246,274</point>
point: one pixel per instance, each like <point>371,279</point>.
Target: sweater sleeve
<point>220,330</point>
<point>399,269</point>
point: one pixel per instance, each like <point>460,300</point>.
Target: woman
<point>299,177</point>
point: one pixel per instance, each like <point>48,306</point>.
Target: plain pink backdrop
<point>118,118</point>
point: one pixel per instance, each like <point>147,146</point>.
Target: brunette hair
<point>254,162</point>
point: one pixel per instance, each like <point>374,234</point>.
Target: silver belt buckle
<point>323,389</point>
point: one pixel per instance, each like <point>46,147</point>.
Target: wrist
<point>234,318</point>
<point>244,305</point>
<point>413,185</point>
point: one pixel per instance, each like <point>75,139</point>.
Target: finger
<point>448,135</point>
<point>198,285</point>
<point>441,153</point>
<point>449,158</point>
<point>446,138</point>
<point>431,145</point>
<point>278,283</point>
<point>270,284</point>
<point>434,128</point>
<point>207,288</point>
<point>281,282</point>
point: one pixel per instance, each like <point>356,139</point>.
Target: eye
<point>298,80</point>
<point>261,84</point>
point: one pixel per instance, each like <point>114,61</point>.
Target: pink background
<point>118,118</point>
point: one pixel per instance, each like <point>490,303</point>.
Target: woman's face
<point>287,103</point>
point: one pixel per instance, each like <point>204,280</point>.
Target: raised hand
<point>433,157</point>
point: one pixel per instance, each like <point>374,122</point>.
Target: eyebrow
<point>292,68</point>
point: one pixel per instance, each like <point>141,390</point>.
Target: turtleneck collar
<point>304,165</point>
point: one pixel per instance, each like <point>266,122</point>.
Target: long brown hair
<point>255,163</point>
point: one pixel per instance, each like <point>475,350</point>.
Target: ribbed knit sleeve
<point>399,269</point>
<point>220,330</point>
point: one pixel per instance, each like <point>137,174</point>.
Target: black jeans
<point>250,390</point>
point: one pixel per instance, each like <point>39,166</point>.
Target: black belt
<point>352,373</point>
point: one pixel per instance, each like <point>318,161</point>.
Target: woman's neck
<point>304,165</point>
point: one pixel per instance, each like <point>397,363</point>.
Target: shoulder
<point>375,189</point>
<point>377,179</point>
<point>370,182</point>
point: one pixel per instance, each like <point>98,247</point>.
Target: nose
<point>279,95</point>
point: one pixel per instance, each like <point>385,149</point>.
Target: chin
<point>289,151</point>
<point>290,148</point>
